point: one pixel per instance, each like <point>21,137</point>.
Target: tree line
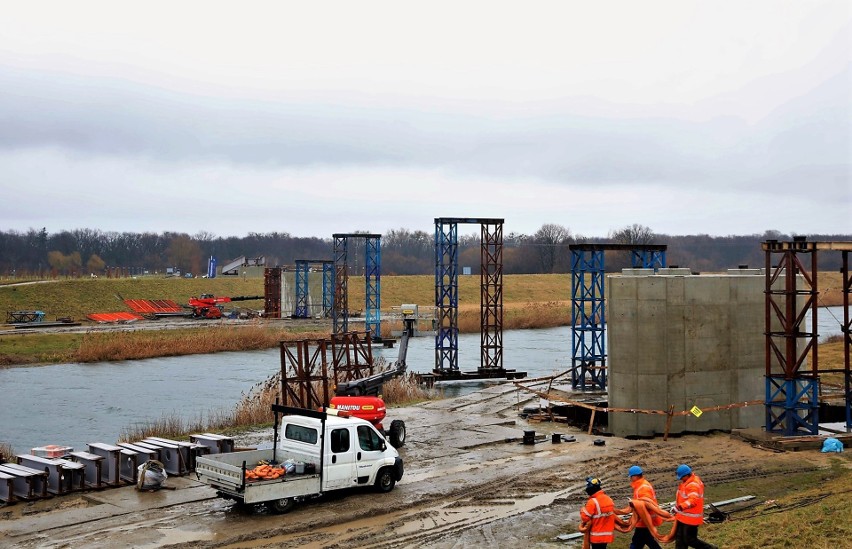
<point>82,252</point>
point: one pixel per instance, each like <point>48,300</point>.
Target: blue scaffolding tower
<point>303,269</point>
<point>588,308</point>
<point>372,279</point>
<point>491,298</point>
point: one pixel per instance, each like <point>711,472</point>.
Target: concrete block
<point>707,384</point>
<point>624,425</point>
<point>675,291</point>
<point>620,288</point>
<point>750,385</point>
<point>622,390</point>
<point>707,290</point>
<point>675,390</point>
<point>649,387</point>
<point>637,272</point>
<point>747,289</point>
<point>749,418</point>
<point>674,271</point>
<point>648,426</point>
<point>651,288</point>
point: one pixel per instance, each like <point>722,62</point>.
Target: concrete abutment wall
<point>685,340</point>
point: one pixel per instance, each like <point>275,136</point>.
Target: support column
<point>792,405</point>
<point>588,349</point>
<point>491,297</point>
<point>446,297</point>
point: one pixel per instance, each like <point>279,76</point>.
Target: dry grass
<point>176,427</point>
<point>6,452</point>
<point>255,410</point>
<point>97,347</point>
<point>404,391</point>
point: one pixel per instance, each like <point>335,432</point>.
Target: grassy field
<point>76,298</point>
<point>529,301</point>
<point>808,508</point>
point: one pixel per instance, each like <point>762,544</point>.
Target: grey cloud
<point>115,117</point>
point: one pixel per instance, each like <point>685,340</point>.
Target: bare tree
<point>549,240</point>
<point>633,234</point>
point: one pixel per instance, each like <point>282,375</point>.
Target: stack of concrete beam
<point>59,470</point>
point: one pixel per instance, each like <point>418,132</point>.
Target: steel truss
<point>303,269</point>
<point>372,281</point>
<point>305,380</point>
<point>588,308</point>
<point>491,296</point>
<point>272,292</point>
<point>792,406</point>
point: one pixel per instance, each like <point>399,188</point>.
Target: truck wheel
<point>397,433</point>
<point>384,480</point>
<point>281,506</point>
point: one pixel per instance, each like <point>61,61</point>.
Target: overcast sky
<point>319,117</point>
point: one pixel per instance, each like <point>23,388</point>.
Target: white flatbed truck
<point>337,452</point>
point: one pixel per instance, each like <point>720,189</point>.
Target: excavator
<point>362,397</point>
<point>208,305</point>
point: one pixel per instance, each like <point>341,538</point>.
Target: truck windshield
<point>300,434</point>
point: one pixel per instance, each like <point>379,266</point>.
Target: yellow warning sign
<point>696,411</point>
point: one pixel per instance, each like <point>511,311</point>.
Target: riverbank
<point>529,301</point>
<point>469,481</point>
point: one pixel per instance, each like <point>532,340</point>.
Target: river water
<point>73,404</point>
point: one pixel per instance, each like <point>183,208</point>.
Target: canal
<point>73,404</point>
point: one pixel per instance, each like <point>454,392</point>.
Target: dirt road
<point>469,482</point>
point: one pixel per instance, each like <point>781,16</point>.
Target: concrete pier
<point>685,340</point>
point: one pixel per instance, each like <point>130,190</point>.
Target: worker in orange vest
<point>600,512</point>
<point>689,510</point>
<point>642,489</point>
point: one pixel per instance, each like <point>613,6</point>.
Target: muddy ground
<point>469,482</point>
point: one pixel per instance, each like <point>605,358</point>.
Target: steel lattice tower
<point>372,276</point>
<point>588,308</point>
<point>491,296</point>
<point>303,290</point>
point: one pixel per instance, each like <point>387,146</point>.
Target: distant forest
<point>83,252</point>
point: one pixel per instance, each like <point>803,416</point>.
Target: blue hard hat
<point>635,470</point>
<point>682,471</point>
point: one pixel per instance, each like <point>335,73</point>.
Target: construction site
<point>666,366</point>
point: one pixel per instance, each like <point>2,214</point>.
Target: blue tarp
<point>832,445</point>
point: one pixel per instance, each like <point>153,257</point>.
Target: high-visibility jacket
<point>600,511</point>
<point>642,489</point>
<point>690,500</point>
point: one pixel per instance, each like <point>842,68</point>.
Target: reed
<point>97,347</point>
<point>6,452</point>
<point>176,427</point>
<point>405,390</point>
